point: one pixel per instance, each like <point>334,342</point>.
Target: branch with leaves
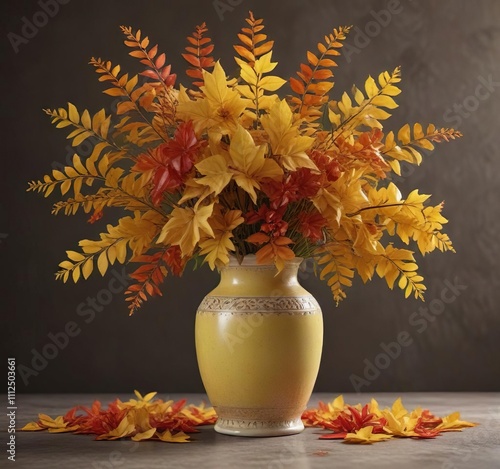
<point>226,167</point>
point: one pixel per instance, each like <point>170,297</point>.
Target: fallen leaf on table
<point>345,421</point>
<point>366,436</point>
<point>402,427</point>
<point>32,427</point>
<point>125,428</point>
<point>333,436</point>
<point>452,423</point>
<point>143,418</point>
<point>144,435</point>
<point>179,437</point>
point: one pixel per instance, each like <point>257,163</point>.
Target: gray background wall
<point>447,49</point>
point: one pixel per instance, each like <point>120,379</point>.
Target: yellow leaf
<point>371,88</point>
<point>124,429</point>
<point>452,422</point>
<point>76,274</point>
<point>103,165</point>
<point>77,163</point>
<point>366,436</point>
<point>271,83</point>
<point>216,172</point>
<point>32,427</point>
<point>219,108</point>
<point>102,263</point>
<point>185,226</point>
<point>216,249</point>
<point>87,268</point>
<point>65,186</point>
<point>285,138</point>
<point>249,163</point>
<point>404,134</point>
<point>73,113</point>
<point>121,251</point>
<point>144,435</point>
<point>264,65</point>
<point>86,122</point>
<point>398,408</point>
<point>179,437</point>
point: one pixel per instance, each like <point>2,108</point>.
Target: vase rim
<point>250,260</point>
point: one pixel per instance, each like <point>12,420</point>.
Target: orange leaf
<point>258,238</point>
<point>297,86</point>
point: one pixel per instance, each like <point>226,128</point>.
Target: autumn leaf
<point>366,436</point>
<point>142,418</point>
<point>216,174</point>
<point>217,249</point>
<point>287,143</point>
<point>144,435</point>
<point>32,427</point>
<point>185,226</point>
<point>220,106</point>
<point>57,425</point>
<point>275,250</point>
<point>452,423</point>
<point>312,177</point>
<point>124,429</point>
<point>141,401</point>
<point>249,164</point>
<point>179,437</point>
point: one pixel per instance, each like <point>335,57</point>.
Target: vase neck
<point>251,279</point>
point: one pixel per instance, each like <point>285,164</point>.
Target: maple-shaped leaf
<point>218,108</point>
<point>249,164</point>
<point>217,249</point>
<point>402,427</point>
<point>366,436</point>
<point>216,173</point>
<point>184,227</point>
<point>286,141</point>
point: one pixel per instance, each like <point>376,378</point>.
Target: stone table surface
<point>477,448</point>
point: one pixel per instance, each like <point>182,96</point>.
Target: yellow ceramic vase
<point>259,337</point>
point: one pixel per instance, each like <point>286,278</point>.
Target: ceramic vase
<point>259,338</point>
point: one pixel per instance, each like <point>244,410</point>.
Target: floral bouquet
<point>226,167</point>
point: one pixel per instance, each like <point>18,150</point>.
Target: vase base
<point>253,428</point>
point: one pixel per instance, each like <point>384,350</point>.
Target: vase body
<point>259,337</point>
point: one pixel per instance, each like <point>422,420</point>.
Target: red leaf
<point>333,436</point>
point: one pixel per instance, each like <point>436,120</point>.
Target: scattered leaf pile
<point>147,419</point>
<point>141,419</point>
<point>368,424</point>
